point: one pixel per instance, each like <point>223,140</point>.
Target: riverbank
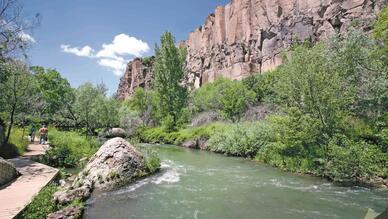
<point>210,185</point>
<point>259,141</point>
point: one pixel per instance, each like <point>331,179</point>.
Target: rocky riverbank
<point>116,163</point>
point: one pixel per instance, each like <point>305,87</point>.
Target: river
<point>198,184</point>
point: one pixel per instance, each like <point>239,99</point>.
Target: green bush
<point>230,98</point>
<point>263,85</point>
<point>240,139</point>
<point>68,148</point>
<point>353,161</point>
<point>42,204</point>
<point>152,161</point>
<point>160,135</point>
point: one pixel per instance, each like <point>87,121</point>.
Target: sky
<point>92,40</point>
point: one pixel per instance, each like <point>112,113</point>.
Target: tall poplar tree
<point>169,73</point>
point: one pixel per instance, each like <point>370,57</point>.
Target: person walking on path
<point>43,134</point>
<point>32,133</point>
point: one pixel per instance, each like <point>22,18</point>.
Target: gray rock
<point>115,162</point>
<point>72,212</point>
<point>197,143</point>
<point>66,196</point>
<point>115,132</point>
<point>8,172</point>
<point>190,144</point>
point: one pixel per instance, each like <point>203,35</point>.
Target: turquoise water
<point>197,184</point>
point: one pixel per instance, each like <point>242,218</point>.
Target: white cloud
<point>117,66</point>
<point>114,55</point>
<point>122,45</point>
<point>85,51</point>
<point>26,37</point>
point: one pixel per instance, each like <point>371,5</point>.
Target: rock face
<point>116,162</point>
<point>137,74</point>
<point>7,172</point>
<point>247,36</point>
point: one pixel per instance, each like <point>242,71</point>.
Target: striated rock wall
<point>137,74</point>
<point>247,36</point>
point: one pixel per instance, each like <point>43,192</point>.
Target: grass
<point>17,144</point>
<point>69,148</point>
<point>42,204</point>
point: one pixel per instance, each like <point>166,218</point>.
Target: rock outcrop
<point>248,36</point>
<point>137,74</point>
<point>8,172</point>
<point>115,163</point>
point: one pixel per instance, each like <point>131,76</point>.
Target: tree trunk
<point>10,123</point>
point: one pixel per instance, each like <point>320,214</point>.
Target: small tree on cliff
<point>168,73</point>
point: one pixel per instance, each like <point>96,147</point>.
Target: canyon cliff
<point>137,74</point>
<point>248,36</point>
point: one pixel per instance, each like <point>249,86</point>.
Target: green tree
<point>15,92</point>
<point>54,90</point>
<point>230,98</point>
<point>168,76</point>
<point>315,86</point>
<point>234,100</point>
<point>87,99</point>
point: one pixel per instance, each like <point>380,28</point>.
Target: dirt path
<point>15,196</point>
<point>36,149</point>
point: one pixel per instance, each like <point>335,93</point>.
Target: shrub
<point>152,161</point>
<point>230,98</point>
<point>241,139</point>
<point>160,135</point>
<point>263,85</point>
<point>68,148</point>
<point>352,161</point>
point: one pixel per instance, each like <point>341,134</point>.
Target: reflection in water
<point>196,184</point>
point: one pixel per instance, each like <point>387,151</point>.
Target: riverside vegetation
<point>329,109</point>
<point>325,111</point>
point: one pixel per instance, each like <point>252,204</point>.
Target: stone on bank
<point>117,162</point>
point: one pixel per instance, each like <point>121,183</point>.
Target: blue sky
<point>89,40</point>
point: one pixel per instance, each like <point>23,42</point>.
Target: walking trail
<point>15,196</point>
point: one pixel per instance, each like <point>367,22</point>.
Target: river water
<point>198,184</point>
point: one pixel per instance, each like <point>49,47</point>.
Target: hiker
<point>32,133</point>
<point>43,134</point>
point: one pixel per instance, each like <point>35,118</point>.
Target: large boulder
<point>115,163</point>
<point>114,133</point>
<point>8,172</point>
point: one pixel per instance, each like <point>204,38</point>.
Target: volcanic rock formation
<point>137,74</point>
<point>247,36</point>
